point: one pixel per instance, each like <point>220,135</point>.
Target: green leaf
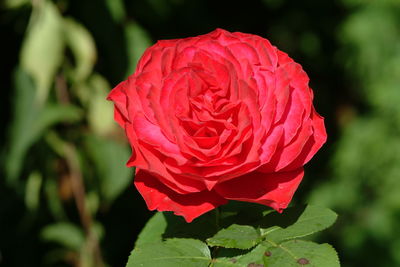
<point>117,9</point>
<point>30,121</point>
<point>82,45</point>
<point>166,225</point>
<point>53,200</point>
<point>236,236</point>
<point>11,4</point>
<point>109,157</point>
<point>42,50</point>
<point>171,253</point>
<point>312,220</point>
<point>32,190</point>
<point>295,253</point>
<point>153,230</point>
<point>232,244</point>
<point>53,113</point>
<point>137,40</point>
<point>25,113</point>
<point>255,256</point>
<point>100,111</point>
<point>65,234</point>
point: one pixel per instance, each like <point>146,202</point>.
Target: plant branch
<point>78,189</point>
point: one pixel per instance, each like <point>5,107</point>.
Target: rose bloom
<point>217,117</point>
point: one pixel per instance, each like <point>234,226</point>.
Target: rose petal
<point>159,197</point>
<point>151,134</point>
<point>283,58</point>
<point>175,181</point>
<point>285,155</point>
<point>271,189</point>
<point>137,159</point>
<point>267,53</point>
<point>292,117</point>
<point>281,92</point>
<point>314,143</point>
<point>245,54</point>
<point>272,141</point>
<point>118,96</point>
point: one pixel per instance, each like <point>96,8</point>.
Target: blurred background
<point>66,198</point>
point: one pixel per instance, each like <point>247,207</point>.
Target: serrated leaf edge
<point>265,235</point>
<point>306,241</point>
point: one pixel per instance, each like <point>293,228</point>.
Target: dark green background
<point>349,48</point>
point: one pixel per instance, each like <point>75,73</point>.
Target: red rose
<point>217,117</point>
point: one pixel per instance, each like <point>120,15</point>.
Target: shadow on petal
<point>271,189</point>
<point>161,198</point>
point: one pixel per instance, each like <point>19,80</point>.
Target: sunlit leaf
<point>13,3</point>
<point>312,220</point>
<point>32,190</point>
<point>65,234</point>
<point>236,236</point>
<point>171,253</point>
<point>82,45</point>
<point>100,111</point>
<point>42,49</point>
<point>297,253</point>
<point>30,120</point>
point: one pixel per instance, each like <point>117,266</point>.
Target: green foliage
<point>82,45</point>
<point>117,9</point>
<point>364,184</point>
<point>41,52</point>
<point>236,236</point>
<point>13,3</point>
<point>255,256</point>
<point>66,234</point>
<point>137,41</point>
<point>32,191</point>
<point>240,245</point>
<point>100,112</point>
<point>312,220</point>
<point>64,155</point>
<point>296,253</point>
<point>153,230</point>
<point>109,158</point>
<point>33,116</point>
<point>171,253</point>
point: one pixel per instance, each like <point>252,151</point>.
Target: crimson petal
<point>161,198</point>
<point>271,189</point>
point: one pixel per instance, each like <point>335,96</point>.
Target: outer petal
<point>284,156</point>
<point>271,189</point>
<point>313,144</point>
<point>161,198</point>
<point>118,96</point>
